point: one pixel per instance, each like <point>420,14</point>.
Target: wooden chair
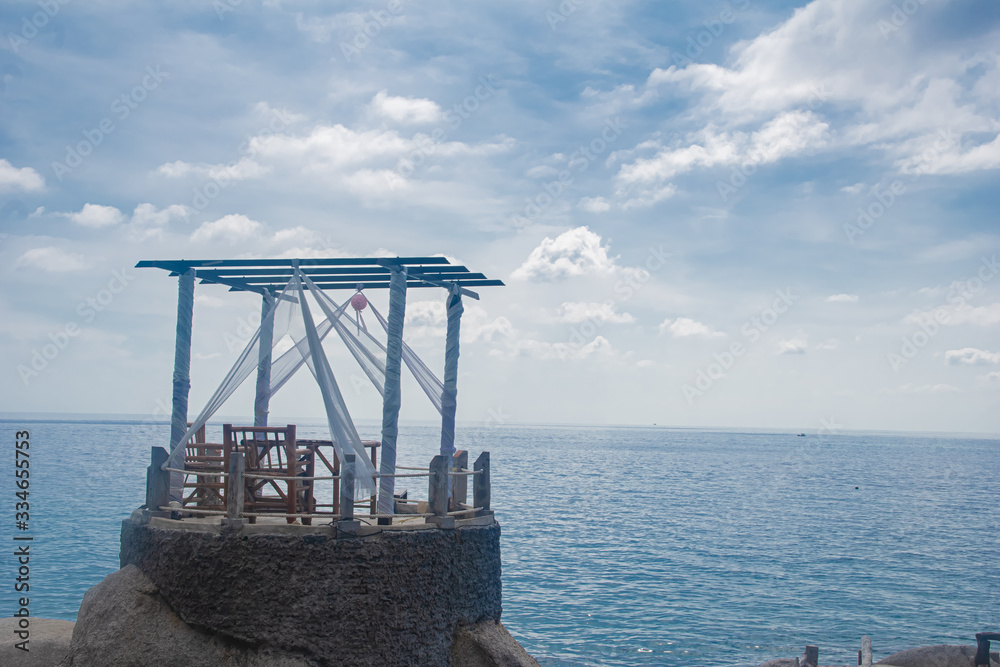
<point>273,451</point>
<point>206,459</point>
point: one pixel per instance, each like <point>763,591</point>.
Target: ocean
<point>627,545</point>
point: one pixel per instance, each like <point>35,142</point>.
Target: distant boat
<point>802,435</point>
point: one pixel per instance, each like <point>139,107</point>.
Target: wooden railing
<point>267,471</point>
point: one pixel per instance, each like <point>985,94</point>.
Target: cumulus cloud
<point>25,179</point>
<point>232,228</point>
<point>842,298</point>
<point>52,259</point>
<point>795,345</point>
<point>575,312</point>
<point>685,326</point>
<point>577,252</point>
<point>594,204</point>
<point>970,356</point>
<point>406,110</point>
<point>148,221</point>
<point>96,216</point>
<point>808,86</point>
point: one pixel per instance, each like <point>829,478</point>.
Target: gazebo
<point>265,457</point>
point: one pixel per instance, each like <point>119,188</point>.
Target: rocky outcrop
<point>48,642</point>
<point>487,644</point>
<point>942,655</point>
<point>125,622</point>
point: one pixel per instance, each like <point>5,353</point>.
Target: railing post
<point>481,484</point>
<point>865,654</point>
<point>157,483</point>
<point>983,640</point>
<point>460,483</point>
<point>347,524</point>
<point>437,493</point>
<point>235,490</point>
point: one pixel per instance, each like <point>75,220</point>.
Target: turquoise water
<point>631,546</point>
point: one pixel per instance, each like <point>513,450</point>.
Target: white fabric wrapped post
<point>182,373</point>
<point>262,398</point>
<point>450,394</point>
<point>391,401</point>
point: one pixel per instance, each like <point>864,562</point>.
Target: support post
<point>481,484</point>
<point>347,524</point>
<point>347,488</point>
<point>235,490</point>
<point>811,657</point>
<point>865,655</point>
<point>450,394</point>
<point>182,372</point>
<point>262,397</point>
<point>391,400</point>
<point>157,482</point>
<point>459,484</point>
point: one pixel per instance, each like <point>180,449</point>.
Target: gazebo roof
<point>271,275</point>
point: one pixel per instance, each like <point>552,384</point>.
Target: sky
<point>730,214</point>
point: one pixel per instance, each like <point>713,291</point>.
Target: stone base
<point>402,597</point>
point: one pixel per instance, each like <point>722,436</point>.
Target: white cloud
<point>575,312</point>
<point>842,298</point>
<point>645,363</point>
<point>52,259</point>
<point>831,344</point>
<point>25,178</point>
<point>910,388</point>
<point>685,326</point>
<point>960,314</point>
<point>594,204</point>
<point>149,222</point>
<point>577,252</point>
<point>853,189</point>
<point>562,351</point>
<point>244,169</point>
<point>971,356</point>
<point>406,110</point>
<point>232,228</point>
<point>795,345</point>
<point>96,216</point>
<point>930,108</point>
<point>790,133</point>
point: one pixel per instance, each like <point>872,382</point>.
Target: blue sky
<point>744,213</point>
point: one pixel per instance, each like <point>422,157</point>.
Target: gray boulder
<point>487,644</point>
<point>942,655</point>
<point>48,642</point>
<point>124,622</point>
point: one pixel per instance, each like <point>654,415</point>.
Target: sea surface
<point>631,546</point>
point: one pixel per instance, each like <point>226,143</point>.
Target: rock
<point>124,622</point>
<point>782,662</point>
<point>487,644</point>
<point>942,655</point>
<point>48,642</point>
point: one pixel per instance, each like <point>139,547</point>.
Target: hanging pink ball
<point>359,302</point>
